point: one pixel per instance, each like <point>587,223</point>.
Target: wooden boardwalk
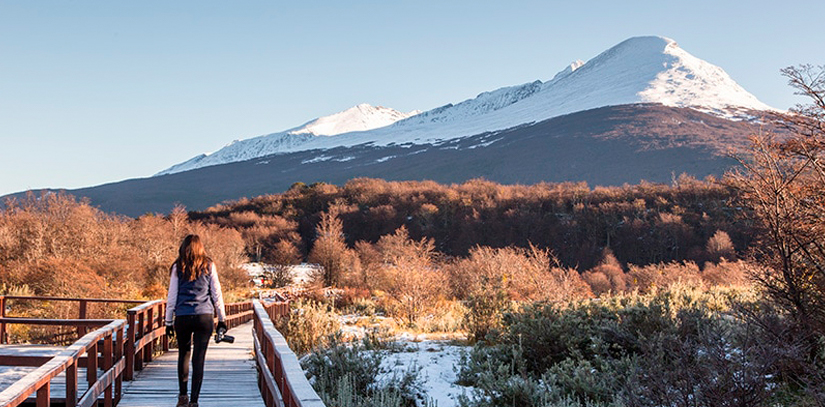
<point>230,378</point>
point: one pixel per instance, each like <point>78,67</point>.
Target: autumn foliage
<point>57,246</point>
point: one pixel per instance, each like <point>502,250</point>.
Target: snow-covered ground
<point>437,360</point>
<point>637,70</point>
<point>300,273</point>
<point>435,354</point>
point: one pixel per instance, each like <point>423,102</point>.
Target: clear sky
<point>100,91</point>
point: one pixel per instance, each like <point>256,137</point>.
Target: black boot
<point>183,401</point>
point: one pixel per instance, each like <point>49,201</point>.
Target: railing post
<point>81,330</point>
<point>165,342</point>
<point>3,339</point>
<point>118,356</point>
<point>129,374</point>
<point>71,385</point>
<point>150,319</point>
<point>141,329</point>
<point>91,364</point>
<point>108,351</point>
<point>43,395</point>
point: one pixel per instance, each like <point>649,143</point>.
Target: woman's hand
<point>222,324</point>
<point>170,330</point>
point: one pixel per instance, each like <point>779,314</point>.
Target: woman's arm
<point>216,294</point>
<point>172,296</point>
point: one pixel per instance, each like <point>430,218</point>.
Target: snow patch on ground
<point>438,362</point>
<point>318,159</point>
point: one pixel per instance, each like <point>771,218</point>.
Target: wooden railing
<point>146,327</point>
<point>81,314</point>
<point>135,339</point>
<point>103,348</point>
<point>280,377</point>
<point>238,313</point>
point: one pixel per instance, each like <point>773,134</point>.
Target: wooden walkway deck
<point>229,378</point>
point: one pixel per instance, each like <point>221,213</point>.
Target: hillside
<point>605,146</point>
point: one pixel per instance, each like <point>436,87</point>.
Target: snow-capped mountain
<point>362,117</point>
<point>638,70</point>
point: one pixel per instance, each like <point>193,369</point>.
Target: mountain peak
<point>647,69</point>
<point>361,117</point>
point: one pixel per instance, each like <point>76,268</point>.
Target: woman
<point>194,297</point>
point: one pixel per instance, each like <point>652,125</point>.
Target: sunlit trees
<point>57,245</point>
<point>410,273</point>
<point>330,250</point>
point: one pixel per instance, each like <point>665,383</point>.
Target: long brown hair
<point>192,261</point>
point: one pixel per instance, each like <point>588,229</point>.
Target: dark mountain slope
<point>604,146</point>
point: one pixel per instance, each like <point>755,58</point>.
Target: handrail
<point>281,379</point>
<point>81,330</point>
<point>47,298</point>
<point>109,383</point>
<point>238,313</point>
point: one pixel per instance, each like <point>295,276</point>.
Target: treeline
<point>642,224</point>
<point>55,245</point>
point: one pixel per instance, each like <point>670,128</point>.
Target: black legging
<point>186,327</point>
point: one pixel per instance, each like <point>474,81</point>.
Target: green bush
<point>677,347</point>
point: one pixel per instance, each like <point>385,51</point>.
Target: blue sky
<point>96,92</point>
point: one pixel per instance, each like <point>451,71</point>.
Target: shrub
<point>726,273</point>
<point>348,375</point>
<point>679,346</point>
<point>490,279</point>
<point>607,276</point>
<point>660,276</point>
<point>310,325</point>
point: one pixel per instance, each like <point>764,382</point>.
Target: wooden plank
<point>230,378</point>
<point>43,399</point>
<point>27,355</point>
<point>71,386</point>
<point>149,337</point>
<point>29,361</point>
<point>92,394</point>
<point>145,305</point>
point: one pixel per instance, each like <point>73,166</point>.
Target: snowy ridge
<point>359,118</point>
<point>638,70</point>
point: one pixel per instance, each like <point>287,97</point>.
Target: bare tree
<point>783,186</point>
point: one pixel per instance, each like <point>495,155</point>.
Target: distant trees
<point>641,224</point>
<point>56,245</point>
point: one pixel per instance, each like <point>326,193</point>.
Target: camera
<point>221,336</point>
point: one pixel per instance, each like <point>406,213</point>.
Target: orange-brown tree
<point>783,186</point>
